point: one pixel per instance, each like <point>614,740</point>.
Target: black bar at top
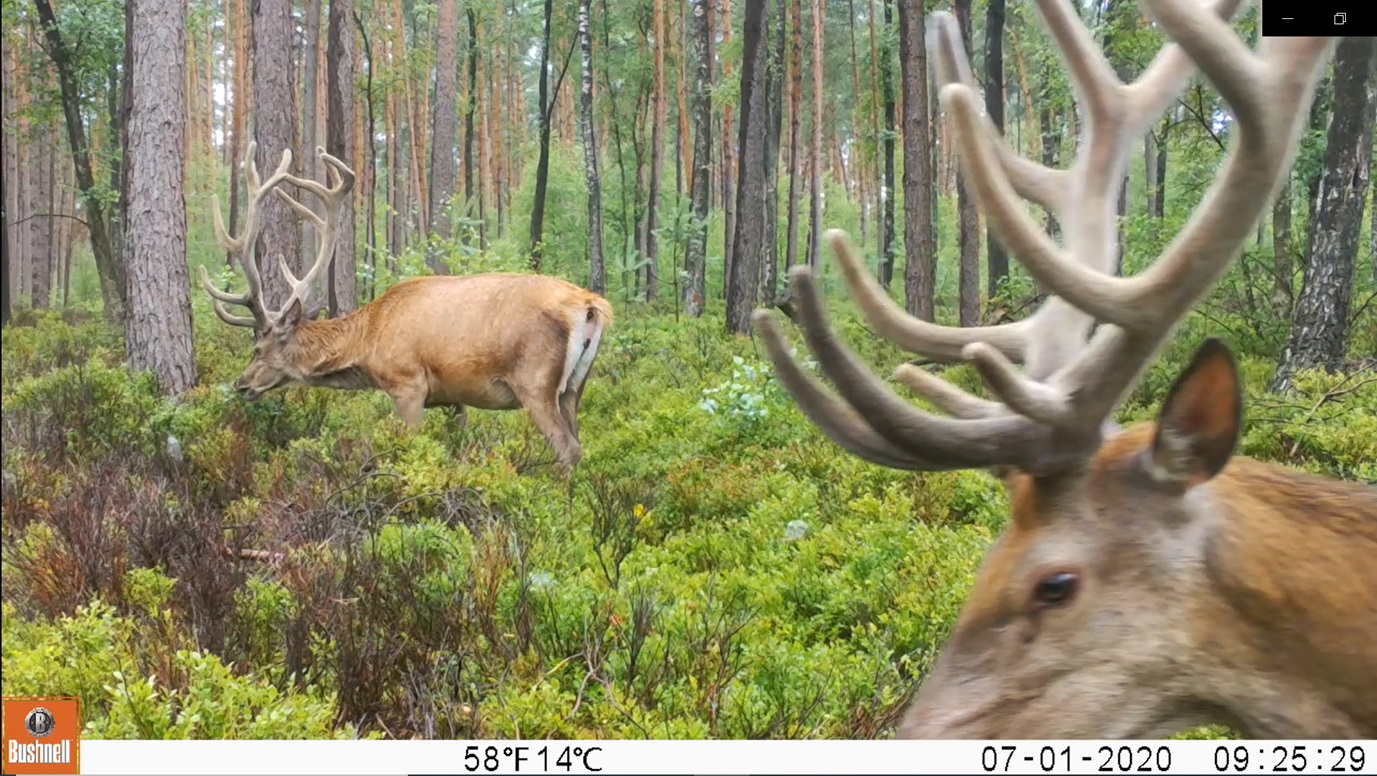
<point>1292,18</point>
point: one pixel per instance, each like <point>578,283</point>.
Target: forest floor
<point>716,567</point>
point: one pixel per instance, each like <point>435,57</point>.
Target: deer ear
<point>290,317</point>
<point>1198,427</point>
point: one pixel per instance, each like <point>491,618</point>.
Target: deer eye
<point>1057,589</point>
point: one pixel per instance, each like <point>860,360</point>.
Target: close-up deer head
<point>278,360</point>
<point>1149,579</point>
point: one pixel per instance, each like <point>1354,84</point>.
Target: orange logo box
<point>42,735</point>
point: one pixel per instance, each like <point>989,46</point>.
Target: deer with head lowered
<point>1148,579</point>
<point>493,341</point>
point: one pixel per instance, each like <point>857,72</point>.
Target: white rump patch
<point>584,337</point>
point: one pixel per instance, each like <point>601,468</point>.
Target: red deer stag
<point>1148,579</point>
<point>494,341</point>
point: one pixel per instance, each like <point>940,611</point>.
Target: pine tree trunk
<point>728,157</point>
<point>158,327</point>
<point>968,220</point>
<point>920,259</point>
<point>795,125</point>
<point>744,291</point>
<point>597,263</point>
<point>774,83</point>
<point>305,150</point>
<point>700,187</point>
<point>543,165</point>
<point>242,100</point>
<point>657,159</point>
<point>886,231</point>
<point>275,130</point>
<point>443,120</point>
<point>997,258</point>
<point>815,198</point>
<point>1319,324</point>
<point>339,142</point>
<point>470,107</point>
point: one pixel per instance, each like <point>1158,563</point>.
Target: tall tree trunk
<point>858,170</point>
<point>657,159</point>
<point>5,212</point>
<point>728,157</point>
<point>997,258</point>
<point>968,220</point>
<point>920,254</point>
<point>40,223</point>
<point>795,124</point>
<point>700,187</point>
<point>310,117</point>
<point>1159,199</point>
<point>339,142</point>
<point>158,327</point>
<point>774,83</point>
<point>240,110</point>
<point>886,231</point>
<point>815,200</point>
<point>880,191</point>
<point>1319,324</point>
<point>108,266</point>
<point>370,193</point>
<point>1283,265</point>
<point>744,291</point>
<point>597,264</point>
<point>470,106</point>
<point>274,128</point>
<point>443,120</point>
<point>542,166</point>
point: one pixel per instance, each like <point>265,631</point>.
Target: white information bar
<point>703,758</point>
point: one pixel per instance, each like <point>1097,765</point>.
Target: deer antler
<point>334,197</point>
<point>1052,413</point>
<point>244,249</point>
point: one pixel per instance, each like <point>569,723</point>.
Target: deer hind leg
<point>569,410</point>
<point>410,403</point>
<point>545,412</point>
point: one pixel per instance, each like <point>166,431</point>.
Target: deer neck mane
<point>333,350</point>
<point>1290,566</point>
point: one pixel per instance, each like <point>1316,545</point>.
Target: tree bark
<point>769,269</point>
<point>310,118</point>
<point>887,196</point>
<point>815,200</point>
<point>728,157</point>
<point>597,264</point>
<point>997,258</point>
<point>470,107</point>
<point>795,123</point>
<point>158,327</point>
<point>968,219</point>
<point>40,222</point>
<point>657,159</point>
<point>443,121</point>
<point>543,165</point>
<point>920,255</point>
<point>108,266</point>
<point>744,291</point>
<point>1319,324</point>
<point>274,128</point>
<point>700,186</point>
<point>339,142</point>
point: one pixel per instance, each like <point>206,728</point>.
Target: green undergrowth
<point>716,568</point>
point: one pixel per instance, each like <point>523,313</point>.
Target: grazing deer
<point>494,341</point>
<point>1148,580</point>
